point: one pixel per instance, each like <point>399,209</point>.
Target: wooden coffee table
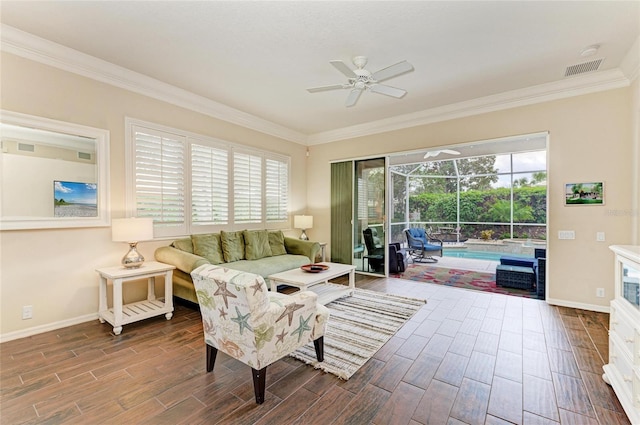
<point>318,282</point>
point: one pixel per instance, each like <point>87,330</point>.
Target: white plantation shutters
<point>159,178</point>
<point>194,184</point>
<point>209,185</point>
<point>247,188</point>
<point>276,190</point>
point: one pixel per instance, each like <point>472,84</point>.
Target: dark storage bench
<point>518,261</point>
<point>515,277</point>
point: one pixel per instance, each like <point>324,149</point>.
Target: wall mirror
<point>53,174</point>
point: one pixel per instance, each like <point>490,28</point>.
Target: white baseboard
<point>581,306</point>
<point>48,327</point>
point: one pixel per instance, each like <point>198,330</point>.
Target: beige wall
<point>635,159</point>
<point>590,140</point>
<point>53,270</point>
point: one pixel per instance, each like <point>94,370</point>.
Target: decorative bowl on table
<point>314,268</point>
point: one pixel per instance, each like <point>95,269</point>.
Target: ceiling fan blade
<point>340,66</point>
<point>432,154</point>
<point>387,90</point>
<point>353,97</point>
<point>392,71</point>
<point>325,88</point>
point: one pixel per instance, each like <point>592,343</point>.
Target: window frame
<point>190,139</point>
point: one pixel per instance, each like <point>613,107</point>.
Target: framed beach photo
<point>584,193</point>
<point>75,199</point>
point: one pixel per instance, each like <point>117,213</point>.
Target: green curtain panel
<point>341,207</point>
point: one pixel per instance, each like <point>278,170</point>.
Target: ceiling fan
<point>360,79</point>
<point>433,154</point>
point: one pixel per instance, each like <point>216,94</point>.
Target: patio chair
<point>241,318</point>
<point>422,246</point>
<point>375,250</point>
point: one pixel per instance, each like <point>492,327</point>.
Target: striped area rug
<point>358,327</point>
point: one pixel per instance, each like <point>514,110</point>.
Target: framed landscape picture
<point>584,193</point>
<point>75,199</point>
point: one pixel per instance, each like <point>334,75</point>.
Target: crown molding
<point>28,46</point>
<point>569,87</point>
<point>630,65</point>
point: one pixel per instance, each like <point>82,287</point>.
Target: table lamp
<point>132,230</point>
<point>303,222</point>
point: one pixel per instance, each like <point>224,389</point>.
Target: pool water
<point>477,255</point>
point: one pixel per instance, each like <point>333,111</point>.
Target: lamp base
<point>304,236</point>
<point>132,259</point>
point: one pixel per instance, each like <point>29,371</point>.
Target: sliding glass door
<point>369,214</point>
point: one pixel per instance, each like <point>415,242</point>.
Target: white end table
<point>122,314</point>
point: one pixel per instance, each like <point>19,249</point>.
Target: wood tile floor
<point>466,357</point>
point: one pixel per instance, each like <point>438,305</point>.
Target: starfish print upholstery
<point>241,320</point>
<point>304,326</point>
<point>280,337</point>
<point>256,287</point>
<point>289,310</point>
<point>223,314</point>
<point>253,325</point>
<point>224,292</point>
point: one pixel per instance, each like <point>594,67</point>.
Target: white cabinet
<point>623,370</point>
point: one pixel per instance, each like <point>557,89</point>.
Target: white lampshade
<point>303,222</point>
<point>131,229</point>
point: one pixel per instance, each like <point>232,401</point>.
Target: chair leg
<point>259,381</point>
<point>319,346</point>
<point>212,352</point>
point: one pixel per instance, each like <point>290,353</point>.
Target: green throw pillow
<point>184,244</point>
<point>232,246</point>
<point>276,242</point>
<point>208,246</point>
<point>256,244</point>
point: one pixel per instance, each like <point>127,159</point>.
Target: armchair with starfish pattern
<point>241,318</point>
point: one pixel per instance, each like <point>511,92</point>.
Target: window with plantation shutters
<point>159,177</point>
<point>190,183</point>
<point>276,190</point>
<point>247,188</point>
<point>209,185</point>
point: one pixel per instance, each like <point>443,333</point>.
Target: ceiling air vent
<point>84,155</point>
<point>26,147</point>
<point>581,68</point>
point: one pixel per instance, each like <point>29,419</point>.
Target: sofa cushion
<point>208,246</point>
<point>276,242</point>
<point>184,244</point>
<point>232,246</point>
<point>256,244</point>
<point>269,265</point>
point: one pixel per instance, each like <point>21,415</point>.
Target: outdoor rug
<point>358,327</point>
<point>467,279</point>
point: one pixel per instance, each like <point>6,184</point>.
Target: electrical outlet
<point>27,312</point>
<point>600,236</point>
<point>600,292</point>
<point>566,234</point>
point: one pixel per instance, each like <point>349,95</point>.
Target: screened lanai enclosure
<point>486,191</point>
<point>487,197</point>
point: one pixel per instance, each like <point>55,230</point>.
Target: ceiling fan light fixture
<point>360,79</point>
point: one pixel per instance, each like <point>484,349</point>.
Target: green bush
<point>484,206</point>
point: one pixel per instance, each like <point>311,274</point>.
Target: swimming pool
<point>477,255</point>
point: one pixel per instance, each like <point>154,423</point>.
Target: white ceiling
<point>258,57</point>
